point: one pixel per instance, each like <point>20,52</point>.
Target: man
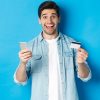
<point>51,61</point>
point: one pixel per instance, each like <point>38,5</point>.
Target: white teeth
<point>50,26</point>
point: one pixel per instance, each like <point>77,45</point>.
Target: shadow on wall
<point>64,20</point>
<point>95,74</point>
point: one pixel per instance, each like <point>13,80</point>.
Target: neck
<point>49,36</point>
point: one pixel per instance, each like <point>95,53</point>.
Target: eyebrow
<point>46,14</point>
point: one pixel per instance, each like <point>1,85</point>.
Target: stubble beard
<point>50,33</point>
<point>54,31</point>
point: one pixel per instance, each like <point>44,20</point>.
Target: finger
<point>81,57</point>
<point>26,59</point>
<point>24,51</point>
<point>28,56</point>
<point>25,54</point>
<point>80,60</point>
<point>82,54</point>
<point>82,51</point>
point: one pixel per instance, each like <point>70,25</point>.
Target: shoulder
<point>67,38</point>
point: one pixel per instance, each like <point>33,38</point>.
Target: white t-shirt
<point>54,71</point>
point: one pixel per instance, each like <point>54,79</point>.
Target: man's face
<point>49,21</point>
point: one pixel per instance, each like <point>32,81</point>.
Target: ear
<point>39,21</point>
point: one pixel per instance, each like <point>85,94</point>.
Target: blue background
<point>19,22</point>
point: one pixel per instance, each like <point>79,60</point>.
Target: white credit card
<point>75,45</point>
<point>23,45</point>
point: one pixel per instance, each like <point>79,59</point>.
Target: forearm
<point>21,75</point>
<point>83,70</point>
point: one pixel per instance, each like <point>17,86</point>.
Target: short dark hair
<point>48,5</point>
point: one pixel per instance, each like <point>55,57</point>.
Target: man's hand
<point>81,55</point>
<point>25,55</point>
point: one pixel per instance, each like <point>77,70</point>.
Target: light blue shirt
<point>38,68</point>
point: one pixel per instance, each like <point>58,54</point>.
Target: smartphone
<point>23,45</point>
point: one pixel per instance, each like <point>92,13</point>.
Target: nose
<point>49,20</point>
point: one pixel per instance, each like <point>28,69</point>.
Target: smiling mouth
<point>49,26</point>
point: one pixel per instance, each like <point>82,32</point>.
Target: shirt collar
<point>41,37</point>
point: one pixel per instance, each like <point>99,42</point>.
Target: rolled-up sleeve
<point>89,75</point>
<point>18,82</point>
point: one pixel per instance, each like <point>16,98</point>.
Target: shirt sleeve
<point>88,77</point>
<point>19,83</point>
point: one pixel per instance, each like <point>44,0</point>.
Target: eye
<point>54,16</point>
<point>44,17</point>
